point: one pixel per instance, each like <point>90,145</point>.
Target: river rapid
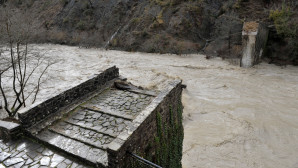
<point>233,117</point>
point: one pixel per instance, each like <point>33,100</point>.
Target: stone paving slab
<point>86,131</point>
<point>74,147</point>
<point>26,153</point>
<point>81,134</point>
<point>107,111</point>
<point>121,101</point>
<point>99,122</point>
<point>8,125</point>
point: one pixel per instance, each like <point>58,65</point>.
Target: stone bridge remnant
<point>97,123</point>
<point>254,39</point>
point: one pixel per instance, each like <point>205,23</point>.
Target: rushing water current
<point>233,117</point>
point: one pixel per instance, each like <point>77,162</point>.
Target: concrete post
<point>254,39</point>
<point>249,42</point>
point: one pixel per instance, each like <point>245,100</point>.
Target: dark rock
<point>123,85</point>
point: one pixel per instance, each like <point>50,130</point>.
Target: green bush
<point>285,27</point>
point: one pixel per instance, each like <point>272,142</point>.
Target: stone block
<point>9,130</point>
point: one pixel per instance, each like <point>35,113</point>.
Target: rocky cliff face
<point>166,26</point>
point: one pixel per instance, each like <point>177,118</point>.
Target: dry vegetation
<point>251,26</point>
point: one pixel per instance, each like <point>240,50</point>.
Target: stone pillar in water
<point>254,39</point>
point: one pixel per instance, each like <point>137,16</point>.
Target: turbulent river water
<point>233,117</point>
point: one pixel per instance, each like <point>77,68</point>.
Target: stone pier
<point>254,39</point>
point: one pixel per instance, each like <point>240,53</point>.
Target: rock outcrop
<point>166,26</point>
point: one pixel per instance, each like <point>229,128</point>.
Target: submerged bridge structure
<point>103,122</point>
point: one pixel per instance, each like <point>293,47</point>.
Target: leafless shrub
<point>20,67</point>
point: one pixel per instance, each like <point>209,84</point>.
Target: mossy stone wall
<point>158,137</point>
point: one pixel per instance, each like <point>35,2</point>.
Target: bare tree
<point>18,64</point>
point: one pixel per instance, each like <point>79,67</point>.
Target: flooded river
<point>233,117</point>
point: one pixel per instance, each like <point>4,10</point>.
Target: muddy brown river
<point>233,117</point>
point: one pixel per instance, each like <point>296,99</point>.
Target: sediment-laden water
<point>233,117</point>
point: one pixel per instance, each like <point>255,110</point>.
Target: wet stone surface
<point>123,102</point>
<point>25,153</point>
<point>100,122</point>
<point>74,147</point>
<point>82,134</point>
<point>86,131</point>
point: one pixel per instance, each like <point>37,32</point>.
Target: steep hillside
<point>165,26</point>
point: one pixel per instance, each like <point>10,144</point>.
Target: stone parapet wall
<point>144,129</point>
<point>39,111</point>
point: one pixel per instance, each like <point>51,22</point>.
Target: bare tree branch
<point>18,65</point>
<point>38,83</point>
<point>4,97</point>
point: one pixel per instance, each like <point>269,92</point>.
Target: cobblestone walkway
<point>25,153</point>
<point>122,102</point>
<point>87,131</point>
<point>83,133</point>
